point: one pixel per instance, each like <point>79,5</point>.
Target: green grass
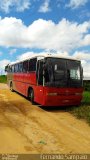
<point>82,111</point>
<point>86,98</point>
<point>3,79</point>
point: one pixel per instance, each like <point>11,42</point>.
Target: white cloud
<point>30,54</point>
<point>76,3</point>
<point>25,56</point>
<point>82,55</point>
<point>63,36</point>
<point>45,7</point>
<point>85,59</point>
<point>45,52</point>
<point>84,14</point>
<point>10,31</point>
<point>86,69</point>
<point>43,34</point>
<point>18,5</point>
<point>3,63</point>
<point>86,40</point>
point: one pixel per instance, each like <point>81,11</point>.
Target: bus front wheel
<point>31,95</point>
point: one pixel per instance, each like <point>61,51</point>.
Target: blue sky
<point>36,26</point>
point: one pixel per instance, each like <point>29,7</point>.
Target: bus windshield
<point>62,72</point>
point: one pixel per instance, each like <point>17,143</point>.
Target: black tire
<point>31,95</point>
<point>11,87</point>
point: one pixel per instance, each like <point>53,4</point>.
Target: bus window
<point>74,69</point>
<point>25,66</point>
<point>74,74</point>
<point>10,69</point>
<point>13,69</point>
<point>16,67</point>
<point>40,72</point>
<point>46,75</point>
<point>32,64</point>
<point>20,67</point>
<point>55,72</point>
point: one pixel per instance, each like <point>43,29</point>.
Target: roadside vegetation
<point>86,85</point>
<point>82,111</point>
<point>3,79</point>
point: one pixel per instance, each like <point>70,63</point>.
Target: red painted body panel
<point>65,96</point>
<point>39,94</point>
<point>22,81</point>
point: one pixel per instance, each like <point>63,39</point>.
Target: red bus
<point>49,80</point>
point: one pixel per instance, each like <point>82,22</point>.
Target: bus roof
<point>41,56</point>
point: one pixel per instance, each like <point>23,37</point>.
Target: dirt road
<point>27,128</point>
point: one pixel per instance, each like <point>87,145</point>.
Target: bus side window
<point>46,75</point>
<point>10,69</point>
<point>13,69</point>
<point>25,66</point>
<point>16,68</point>
<point>32,64</point>
<point>40,72</point>
<point>20,67</point>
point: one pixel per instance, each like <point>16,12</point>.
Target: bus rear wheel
<point>31,95</point>
<point>11,87</point>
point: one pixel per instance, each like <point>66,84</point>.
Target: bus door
<point>40,82</point>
